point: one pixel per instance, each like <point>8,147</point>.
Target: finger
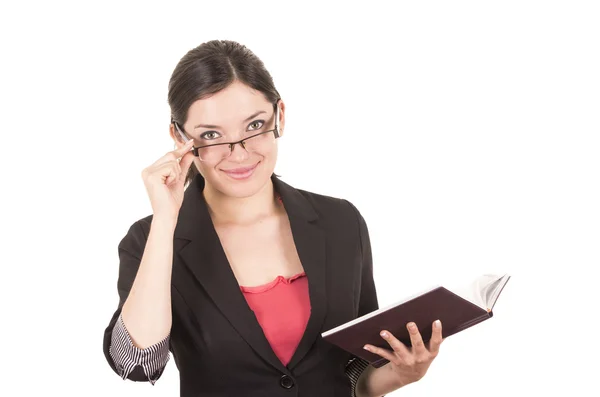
<point>170,168</point>
<point>385,353</point>
<point>179,152</point>
<point>436,338</point>
<point>173,173</point>
<point>166,173</point>
<point>399,348</point>
<point>185,164</point>
<point>174,155</point>
<point>178,173</point>
<point>416,340</point>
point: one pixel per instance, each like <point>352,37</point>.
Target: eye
<point>256,124</point>
<point>210,135</point>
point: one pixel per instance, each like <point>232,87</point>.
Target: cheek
<point>272,155</point>
<point>269,161</point>
<point>202,167</point>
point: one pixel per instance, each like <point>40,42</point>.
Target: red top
<point>282,308</point>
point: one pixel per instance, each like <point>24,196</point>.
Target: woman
<point>239,275</point>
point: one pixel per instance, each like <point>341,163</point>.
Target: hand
<point>165,178</point>
<point>410,364</point>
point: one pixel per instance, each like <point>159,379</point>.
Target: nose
<point>238,152</point>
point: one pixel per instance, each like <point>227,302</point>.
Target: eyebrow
<point>216,126</point>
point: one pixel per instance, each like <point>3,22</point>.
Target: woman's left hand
<point>409,364</point>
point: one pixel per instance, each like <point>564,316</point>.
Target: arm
<point>127,357</point>
<point>375,382</point>
<point>354,369</point>
<point>147,310</point>
<point>145,296</point>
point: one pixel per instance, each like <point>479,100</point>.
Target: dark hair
<point>208,69</point>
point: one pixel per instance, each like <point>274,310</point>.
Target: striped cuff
<point>354,368</point>
<point>127,356</point>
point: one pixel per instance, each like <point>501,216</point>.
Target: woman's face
<point>235,113</point>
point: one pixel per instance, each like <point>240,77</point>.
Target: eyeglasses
<point>257,143</point>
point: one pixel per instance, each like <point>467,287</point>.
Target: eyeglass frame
<point>275,132</point>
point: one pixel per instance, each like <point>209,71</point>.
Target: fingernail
<point>412,326</point>
<point>437,323</point>
<point>384,334</point>
<point>366,348</point>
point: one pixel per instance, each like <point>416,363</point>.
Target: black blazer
<point>216,341</point>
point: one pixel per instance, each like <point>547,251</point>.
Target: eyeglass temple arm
<point>277,132</point>
<point>181,134</point>
<point>185,138</point>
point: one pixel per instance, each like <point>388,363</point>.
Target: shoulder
<point>340,219</point>
<point>137,234</point>
<point>336,209</point>
<point>142,225</point>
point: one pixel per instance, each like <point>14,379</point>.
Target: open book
<point>458,310</point>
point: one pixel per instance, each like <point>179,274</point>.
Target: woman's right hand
<point>164,181</point>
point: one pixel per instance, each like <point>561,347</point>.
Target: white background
<point>466,132</point>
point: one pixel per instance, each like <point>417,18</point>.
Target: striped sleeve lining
<point>354,368</point>
<point>127,356</point>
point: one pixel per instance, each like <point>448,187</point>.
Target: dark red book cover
<point>455,313</point>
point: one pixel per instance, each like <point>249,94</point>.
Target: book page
<point>480,291</point>
<point>493,291</point>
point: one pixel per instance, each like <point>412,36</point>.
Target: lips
<point>241,172</point>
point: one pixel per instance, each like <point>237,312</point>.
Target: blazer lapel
<point>206,259</point>
<point>311,244</point>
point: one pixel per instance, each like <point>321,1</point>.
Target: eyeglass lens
<point>260,143</point>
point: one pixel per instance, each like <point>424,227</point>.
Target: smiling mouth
<point>242,172</point>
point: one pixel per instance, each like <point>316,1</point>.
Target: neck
<point>225,209</point>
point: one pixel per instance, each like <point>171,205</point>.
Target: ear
<point>281,106</point>
<point>175,136</point>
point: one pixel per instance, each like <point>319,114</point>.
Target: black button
<point>286,382</point>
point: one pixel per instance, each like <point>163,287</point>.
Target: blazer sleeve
<point>368,294</point>
<point>125,359</point>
